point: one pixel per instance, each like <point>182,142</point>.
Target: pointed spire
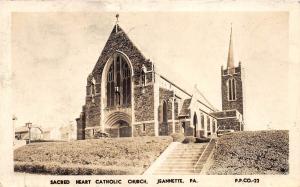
<point>230,59</point>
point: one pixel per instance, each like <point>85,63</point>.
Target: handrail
<point>201,155</point>
<point>203,152</point>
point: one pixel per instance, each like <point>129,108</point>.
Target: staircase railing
<point>195,166</point>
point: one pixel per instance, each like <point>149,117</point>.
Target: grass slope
<point>252,152</point>
<point>98,156</point>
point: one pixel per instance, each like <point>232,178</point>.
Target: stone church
<point>127,97</point>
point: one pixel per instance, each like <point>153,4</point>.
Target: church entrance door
<point>124,129</point>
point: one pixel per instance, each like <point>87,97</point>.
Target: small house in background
<point>68,132</point>
<point>64,132</point>
<point>22,133</point>
<point>51,133</point>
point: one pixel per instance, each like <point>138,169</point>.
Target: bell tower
<point>232,85</point>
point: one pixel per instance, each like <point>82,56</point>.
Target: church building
<point>127,97</point>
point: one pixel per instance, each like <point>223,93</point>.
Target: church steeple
<point>230,59</point>
<point>232,83</point>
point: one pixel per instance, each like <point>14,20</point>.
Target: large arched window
<point>231,89</point>
<point>118,83</point>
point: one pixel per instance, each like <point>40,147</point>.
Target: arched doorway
<point>195,122</point>
<point>124,129</point>
<point>183,127</point>
<point>118,124</point>
<point>120,129</point>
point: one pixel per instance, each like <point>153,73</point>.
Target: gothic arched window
<point>118,83</point>
<point>231,89</point>
<point>143,76</point>
<point>176,108</point>
<point>165,113</point>
<point>195,121</point>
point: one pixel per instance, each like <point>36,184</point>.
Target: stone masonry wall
<point>144,103</point>
<point>139,129</point>
<point>165,129</point>
<point>189,131</point>
<point>229,124</point>
<point>177,127</point>
<point>166,95</point>
<point>80,128</point>
<point>93,116</point>
<point>238,104</point>
<point>117,41</point>
<point>176,110</point>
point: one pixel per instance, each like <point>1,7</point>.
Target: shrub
<point>58,169</point>
<point>177,137</point>
<point>189,139</point>
<point>252,152</point>
<point>202,140</point>
<point>91,156</point>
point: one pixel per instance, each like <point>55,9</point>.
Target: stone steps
<point>184,159</point>
<point>205,156</point>
<point>181,160</point>
<point>188,151</point>
<point>185,154</point>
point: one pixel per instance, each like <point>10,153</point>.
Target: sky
<point>53,53</point>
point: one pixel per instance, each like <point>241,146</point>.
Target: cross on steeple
<point>117,21</point>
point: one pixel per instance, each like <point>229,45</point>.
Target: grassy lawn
<point>253,152</point>
<point>99,156</point>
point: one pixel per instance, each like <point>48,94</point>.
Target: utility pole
<point>29,125</point>
<point>14,118</point>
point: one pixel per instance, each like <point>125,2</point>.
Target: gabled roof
<point>199,96</point>
<point>185,109</point>
<point>119,40</point>
<point>21,129</point>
